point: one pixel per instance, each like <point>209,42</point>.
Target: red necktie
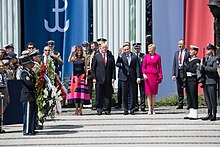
<point>180,57</point>
<point>104,58</point>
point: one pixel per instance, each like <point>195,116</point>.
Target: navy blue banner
<point>64,21</point>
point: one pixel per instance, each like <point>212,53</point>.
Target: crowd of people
<point>94,64</point>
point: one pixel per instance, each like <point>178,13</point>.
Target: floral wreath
<point>49,90</point>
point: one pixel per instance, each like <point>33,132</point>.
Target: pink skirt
<point>151,84</point>
<point>81,91</point>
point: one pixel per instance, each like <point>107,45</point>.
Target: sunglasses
<point>46,50</point>
<point>30,47</point>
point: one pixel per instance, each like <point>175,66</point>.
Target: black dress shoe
<point>193,118</point>
<point>2,131</point>
<point>186,117</point>
<point>136,109</point>
<point>207,117</point>
<point>132,112</point>
<point>29,134</point>
<point>99,113</point>
<point>107,113</point>
<point>179,107</point>
<point>143,110</point>
<point>125,113</point>
<point>39,127</point>
<point>213,118</point>
<point>35,132</point>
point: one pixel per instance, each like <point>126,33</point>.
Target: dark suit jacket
<point>176,61</point>
<point>133,71</point>
<point>101,72</point>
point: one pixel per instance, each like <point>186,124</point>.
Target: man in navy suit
<point>180,57</point>
<point>130,76</point>
<point>103,73</point>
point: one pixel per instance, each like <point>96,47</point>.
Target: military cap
<point>136,45</point>
<point>35,52</point>
<point>6,57</point>
<point>101,40</point>
<point>8,46</point>
<point>194,47</point>
<point>50,43</point>
<point>5,61</point>
<point>85,43</point>
<point>12,54</point>
<point>25,53</point>
<point>210,46</point>
<point>24,58</point>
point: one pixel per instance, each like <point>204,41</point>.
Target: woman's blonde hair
<point>152,46</point>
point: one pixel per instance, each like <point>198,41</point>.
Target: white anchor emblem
<point>57,10</point>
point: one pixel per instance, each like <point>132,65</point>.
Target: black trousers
<point>142,95</point>
<point>192,92</point>
<point>129,93</point>
<point>90,85</point>
<point>103,96</point>
<point>179,83</point>
<point>119,95</point>
<point>210,93</point>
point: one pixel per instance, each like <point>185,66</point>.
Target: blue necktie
<point>129,59</point>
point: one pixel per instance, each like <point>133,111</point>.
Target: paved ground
<point>166,128</point>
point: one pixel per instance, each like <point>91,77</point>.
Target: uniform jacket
<point>28,85</point>
<point>210,69</point>
<point>141,59</point>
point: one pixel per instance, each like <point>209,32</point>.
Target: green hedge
<point>173,101</point>
<point>166,101</point>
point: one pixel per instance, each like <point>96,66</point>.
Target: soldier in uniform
<point>191,66</point>
<point>55,56</point>
<point>28,95</point>
<point>137,49</point>
<point>209,68</point>
<point>94,51</point>
<point>9,48</point>
<point>3,91</point>
<point>87,55</point>
<point>13,65</point>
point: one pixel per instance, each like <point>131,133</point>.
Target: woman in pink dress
<point>152,73</point>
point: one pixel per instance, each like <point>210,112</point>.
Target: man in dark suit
<point>209,68</point>
<point>130,76</point>
<point>178,74</point>
<point>137,49</point>
<point>103,73</point>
